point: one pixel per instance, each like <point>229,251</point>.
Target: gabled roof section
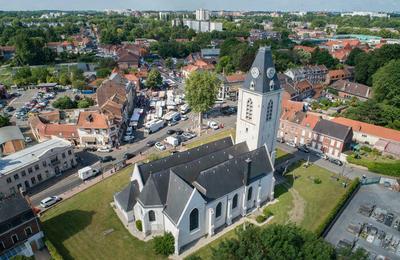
<point>127,197</point>
<point>12,207</point>
<point>332,129</point>
<point>149,195</point>
<point>9,133</point>
<point>262,83</point>
<point>179,193</point>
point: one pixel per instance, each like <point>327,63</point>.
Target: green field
<point>282,156</point>
<point>376,162</point>
<point>76,227</point>
<point>308,205</point>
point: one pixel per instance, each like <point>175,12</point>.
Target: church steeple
<point>259,104</point>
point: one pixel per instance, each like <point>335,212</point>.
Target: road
<point>70,180</point>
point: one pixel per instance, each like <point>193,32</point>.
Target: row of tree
<point>66,102</point>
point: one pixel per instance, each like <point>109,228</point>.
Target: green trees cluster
<point>31,51</point>
<point>154,79</point>
<point>323,57</point>
<point>274,242</point>
<point>66,102</point>
<point>4,121</point>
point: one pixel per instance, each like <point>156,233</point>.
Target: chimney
<point>247,171</point>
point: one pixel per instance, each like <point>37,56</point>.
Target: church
<point>198,191</point>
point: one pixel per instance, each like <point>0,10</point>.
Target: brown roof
<point>112,108</point>
<point>127,56</point>
<point>237,77</point>
<point>108,89</point>
<point>53,129</point>
<point>92,119</point>
<point>379,131</point>
<point>304,48</point>
<point>352,88</point>
<point>341,73</point>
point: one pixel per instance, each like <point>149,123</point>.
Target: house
<point>229,88</point>
<point>304,48</point>
<point>347,90</point>
<point>331,138</point>
<point>314,74</point>
<point>20,230</point>
<point>339,74</point>
<point>296,90</point>
<point>296,126</point>
<point>127,60</point>
<point>377,136</point>
<point>198,65</point>
<point>197,192</point>
<point>60,47</point>
<point>11,140</point>
<point>28,167</point>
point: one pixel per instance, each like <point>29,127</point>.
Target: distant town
<point>199,134</point>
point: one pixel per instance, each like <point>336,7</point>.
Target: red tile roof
<point>93,120</point>
<point>379,131</point>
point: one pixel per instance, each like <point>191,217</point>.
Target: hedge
<point>139,225</point>
<point>55,255</point>
<point>390,169</point>
<point>164,245</point>
<point>331,216</point>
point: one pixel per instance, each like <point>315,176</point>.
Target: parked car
<point>213,125</point>
<point>389,219</point>
<point>179,131</point>
<point>322,156</point>
<point>160,146</point>
<point>49,201</point>
<point>336,161</point>
<point>292,144</point>
<point>184,117</point>
<point>187,135</point>
<point>90,149</point>
<point>170,131</point>
<point>128,156</point>
<point>104,149</point>
<point>150,143</point>
<point>128,138</point>
<point>107,158</point>
<point>28,139</point>
<point>303,148</point>
<point>172,123</point>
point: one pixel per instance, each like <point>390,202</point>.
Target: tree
<point>351,59</point>
<point>79,84</point>
<point>274,242</point>
<point>154,79</point>
<point>201,89</point>
<point>103,72</point>
<point>4,121</point>
<point>318,23</point>
<point>169,63</point>
<point>85,103</point>
<point>386,84</point>
<point>322,57</point>
<point>225,65</point>
<point>23,76</point>
<point>40,74</point>
<point>64,102</point>
<point>164,245</point>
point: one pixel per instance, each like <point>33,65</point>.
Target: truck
<point>137,112</point>
<point>172,141</point>
<point>87,172</point>
<point>153,125</point>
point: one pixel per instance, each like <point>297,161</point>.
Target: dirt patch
<point>296,215</point>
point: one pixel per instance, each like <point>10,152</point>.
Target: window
<point>218,210</point>
<point>39,177</point>
<point>69,152</point>
<point>28,231</point>
<point>16,176</point>
<point>33,180</point>
<point>9,180</point>
<point>63,155</point>
<point>249,193</point>
<point>14,238</point>
<point>44,163</point>
<point>234,201</point>
<point>36,167</point>
<point>269,110</point>
<point>30,170</point>
<point>194,220</point>
<point>249,109</point>
<point>152,216</point>
<point>23,173</point>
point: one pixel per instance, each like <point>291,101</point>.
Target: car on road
<point>128,138</point>
<point>49,201</point>
<point>303,148</point>
<point>104,149</point>
<point>184,117</point>
<point>90,149</point>
<point>28,139</point>
<point>150,143</point>
<point>322,156</point>
<point>170,131</point>
<point>187,136</point>
<point>179,131</point>
<point>336,161</point>
<point>107,158</point>
<point>160,146</point>
<point>292,144</point>
<point>128,156</point>
<point>172,123</point>
<point>213,125</point>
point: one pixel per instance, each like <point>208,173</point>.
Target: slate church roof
<point>215,169</point>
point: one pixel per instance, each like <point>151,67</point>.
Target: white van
<point>87,172</point>
<point>172,141</point>
<point>184,109</point>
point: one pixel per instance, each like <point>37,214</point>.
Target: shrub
<point>260,218</point>
<point>267,213</point>
<point>366,148</point>
<point>321,228</point>
<point>193,257</point>
<point>317,181</point>
<point>55,255</point>
<point>164,245</point>
<point>139,225</point>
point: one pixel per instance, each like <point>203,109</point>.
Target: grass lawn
<point>282,156</point>
<point>319,200</point>
<point>375,162</point>
<point>76,226</point>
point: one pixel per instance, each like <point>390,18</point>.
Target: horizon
<point>389,6</point>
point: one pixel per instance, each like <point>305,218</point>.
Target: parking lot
<point>370,221</point>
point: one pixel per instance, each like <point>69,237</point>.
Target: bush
<point>55,255</point>
<point>139,225</point>
<point>321,228</point>
<point>317,181</point>
<point>164,245</point>
<point>366,148</point>
<point>267,213</point>
<point>260,218</point>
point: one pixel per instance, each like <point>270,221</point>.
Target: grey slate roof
<point>9,133</point>
<point>149,194</point>
<point>12,207</point>
<point>178,194</point>
<point>183,157</point>
<point>126,198</point>
<point>332,129</point>
<point>263,61</point>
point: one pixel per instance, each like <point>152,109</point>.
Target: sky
<point>243,5</point>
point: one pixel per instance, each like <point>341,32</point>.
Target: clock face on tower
<point>270,73</point>
<point>255,72</point>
